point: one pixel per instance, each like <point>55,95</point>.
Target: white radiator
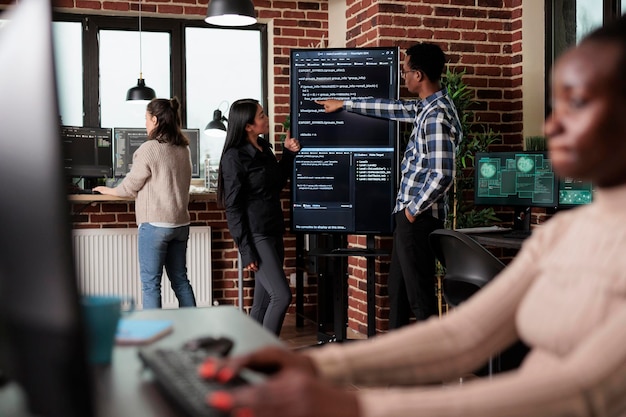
<point>106,263</point>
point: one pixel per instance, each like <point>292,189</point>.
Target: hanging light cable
<point>140,91</point>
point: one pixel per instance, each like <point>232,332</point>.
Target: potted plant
<point>476,138</point>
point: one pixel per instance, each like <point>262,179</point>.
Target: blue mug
<point>101,316</point>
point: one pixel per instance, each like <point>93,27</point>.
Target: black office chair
<point>469,266</point>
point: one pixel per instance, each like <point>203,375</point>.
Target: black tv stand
<point>333,255</point>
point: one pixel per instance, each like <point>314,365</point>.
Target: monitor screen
<point>87,151</point>
<point>42,343</point>
<point>345,176</point>
<point>574,193</point>
<point>128,139</point>
<point>515,179</point>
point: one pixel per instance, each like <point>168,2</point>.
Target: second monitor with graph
<point>126,141</point>
<point>517,179</point>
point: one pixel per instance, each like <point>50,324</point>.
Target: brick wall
<point>482,37</point>
<point>113,214</point>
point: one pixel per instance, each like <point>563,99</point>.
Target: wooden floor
<point>298,337</point>
<point>306,336</point>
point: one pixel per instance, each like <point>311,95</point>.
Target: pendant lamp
<point>230,13</point>
<point>141,91</point>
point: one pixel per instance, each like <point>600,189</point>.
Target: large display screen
<point>515,179</point>
<point>127,140</point>
<point>345,176</point>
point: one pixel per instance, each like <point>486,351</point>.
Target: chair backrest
<point>469,266</point>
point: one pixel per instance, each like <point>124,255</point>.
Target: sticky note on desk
<point>141,332</point>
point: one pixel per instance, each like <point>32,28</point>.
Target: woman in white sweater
<point>159,181</point>
<point>564,295</point>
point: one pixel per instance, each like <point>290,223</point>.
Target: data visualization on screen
<point>515,179</point>
<point>574,192</point>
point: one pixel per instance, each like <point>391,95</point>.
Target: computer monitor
<point>345,178</point>
<point>574,193</point>
<point>128,139</point>
<point>518,179</point>
<point>42,344</point>
<point>87,151</point>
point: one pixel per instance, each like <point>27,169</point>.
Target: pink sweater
<point>564,295</point>
<point>159,180</point>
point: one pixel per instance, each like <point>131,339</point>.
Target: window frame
<point>92,24</point>
<point>611,9</point>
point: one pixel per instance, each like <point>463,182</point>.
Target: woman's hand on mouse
<point>292,393</point>
<point>269,360</point>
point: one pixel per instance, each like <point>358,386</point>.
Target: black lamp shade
<point>216,124</point>
<point>230,13</point>
<point>140,91</point>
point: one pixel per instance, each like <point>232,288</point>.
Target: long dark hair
<point>242,112</point>
<point>168,121</point>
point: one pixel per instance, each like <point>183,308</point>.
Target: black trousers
<point>272,295</point>
<point>411,282</point>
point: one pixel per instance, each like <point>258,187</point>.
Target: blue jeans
<point>164,247</point>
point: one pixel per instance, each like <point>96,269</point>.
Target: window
<point>572,20</point>
<point>119,71</point>
<point>68,62</point>
<point>98,60</point>
<point>217,76</point>
<point>568,21</point>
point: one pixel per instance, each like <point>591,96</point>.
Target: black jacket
<point>253,181</point>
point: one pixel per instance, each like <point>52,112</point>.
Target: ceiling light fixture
<point>141,91</point>
<point>230,13</point>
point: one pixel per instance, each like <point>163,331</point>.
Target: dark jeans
<point>411,282</point>
<point>272,294</point>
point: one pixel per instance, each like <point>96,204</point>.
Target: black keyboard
<point>176,371</point>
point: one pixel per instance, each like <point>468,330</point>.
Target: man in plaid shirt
<point>428,170</point>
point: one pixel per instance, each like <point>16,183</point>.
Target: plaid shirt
<point>428,167</point>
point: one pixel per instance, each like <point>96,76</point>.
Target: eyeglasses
<point>403,72</point>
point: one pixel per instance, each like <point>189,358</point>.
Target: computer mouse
<point>219,346</point>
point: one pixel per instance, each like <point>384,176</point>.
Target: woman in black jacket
<point>250,181</point>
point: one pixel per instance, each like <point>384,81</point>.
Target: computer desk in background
<point>497,240</point>
<point>496,236</point>
<point>126,389</point>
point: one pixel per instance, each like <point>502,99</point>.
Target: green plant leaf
<point>476,138</point>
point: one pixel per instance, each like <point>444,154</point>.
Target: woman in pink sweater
<point>564,295</point>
